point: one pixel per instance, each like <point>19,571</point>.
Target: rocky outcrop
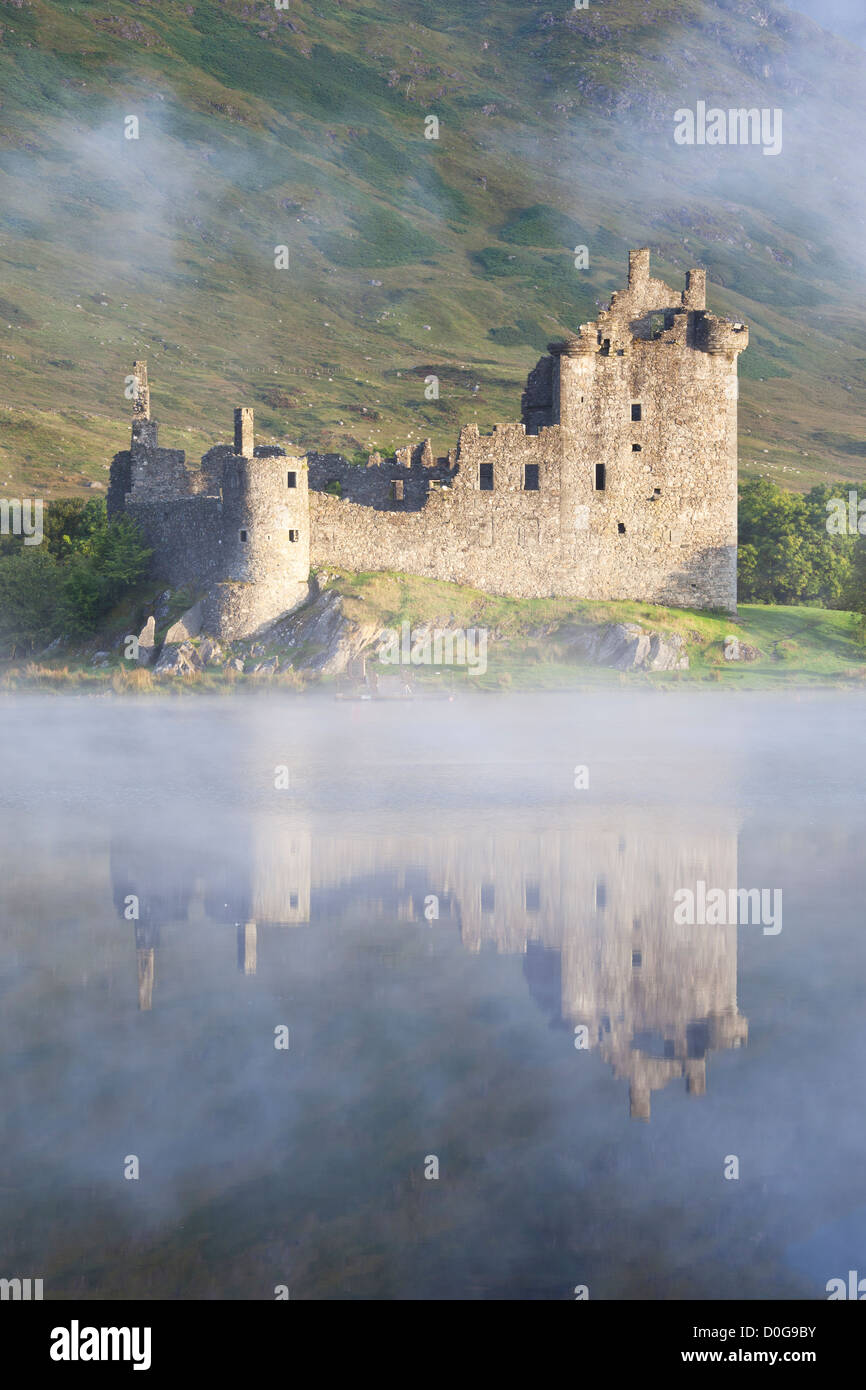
<point>628,647</point>
<point>321,637</point>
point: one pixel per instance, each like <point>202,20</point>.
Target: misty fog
<point>432,901</point>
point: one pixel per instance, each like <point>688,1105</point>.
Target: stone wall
<point>233,528</point>
<point>620,482</point>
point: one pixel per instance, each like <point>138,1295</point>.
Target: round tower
<point>265,541</point>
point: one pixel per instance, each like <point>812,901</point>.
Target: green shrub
<point>70,582</point>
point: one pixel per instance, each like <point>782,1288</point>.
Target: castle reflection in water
<point>589,906</point>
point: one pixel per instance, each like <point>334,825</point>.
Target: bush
<point>29,593</point>
<point>70,582</point>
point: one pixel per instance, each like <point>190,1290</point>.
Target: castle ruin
<point>620,482</point>
<point>587,903</point>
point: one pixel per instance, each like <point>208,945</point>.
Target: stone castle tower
<point>265,538</point>
<point>620,482</point>
<point>238,529</point>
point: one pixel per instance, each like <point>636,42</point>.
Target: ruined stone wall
<point>501,540</point>
<point>185,537</point>
<point>620,483</point>
<point>642,509</point>
<point>662,530</point>
<point>119,484</point>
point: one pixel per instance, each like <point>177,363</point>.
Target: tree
<point>786,553</point>
<point>70,582</point>
<point>29,589</point>
<point>105,562</point>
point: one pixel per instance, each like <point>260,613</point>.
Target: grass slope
<point>305,128</point>
<point>527,645</point>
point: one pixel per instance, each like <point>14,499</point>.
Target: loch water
<point>387,1000</point>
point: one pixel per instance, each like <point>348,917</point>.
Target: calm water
<point>431,908</point>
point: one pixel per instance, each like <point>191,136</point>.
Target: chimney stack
<point>638,267</point>
<point>695,296</point>
<point>141,399</point>
<point>244,441</point>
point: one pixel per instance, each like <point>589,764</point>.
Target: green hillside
<point>305,127</point>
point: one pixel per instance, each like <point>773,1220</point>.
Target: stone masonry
<point>620,482</point>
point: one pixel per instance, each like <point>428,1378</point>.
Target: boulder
<point>186,627</point>
<point>740,651</point>
<point>178,659</point>
<point>147,643</point>
<point>211,652</point>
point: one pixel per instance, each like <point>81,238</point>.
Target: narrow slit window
<point>292,480</point>
<point>530,477</point>
<point>396,489</point>
<point>485,477</point>
<point>293,535</point>
<point>620,526</point>
<point>600,477</point>
<point>243,537</point>
<point>636,410</point>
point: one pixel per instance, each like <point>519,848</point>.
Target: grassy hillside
<point>305,127</point>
